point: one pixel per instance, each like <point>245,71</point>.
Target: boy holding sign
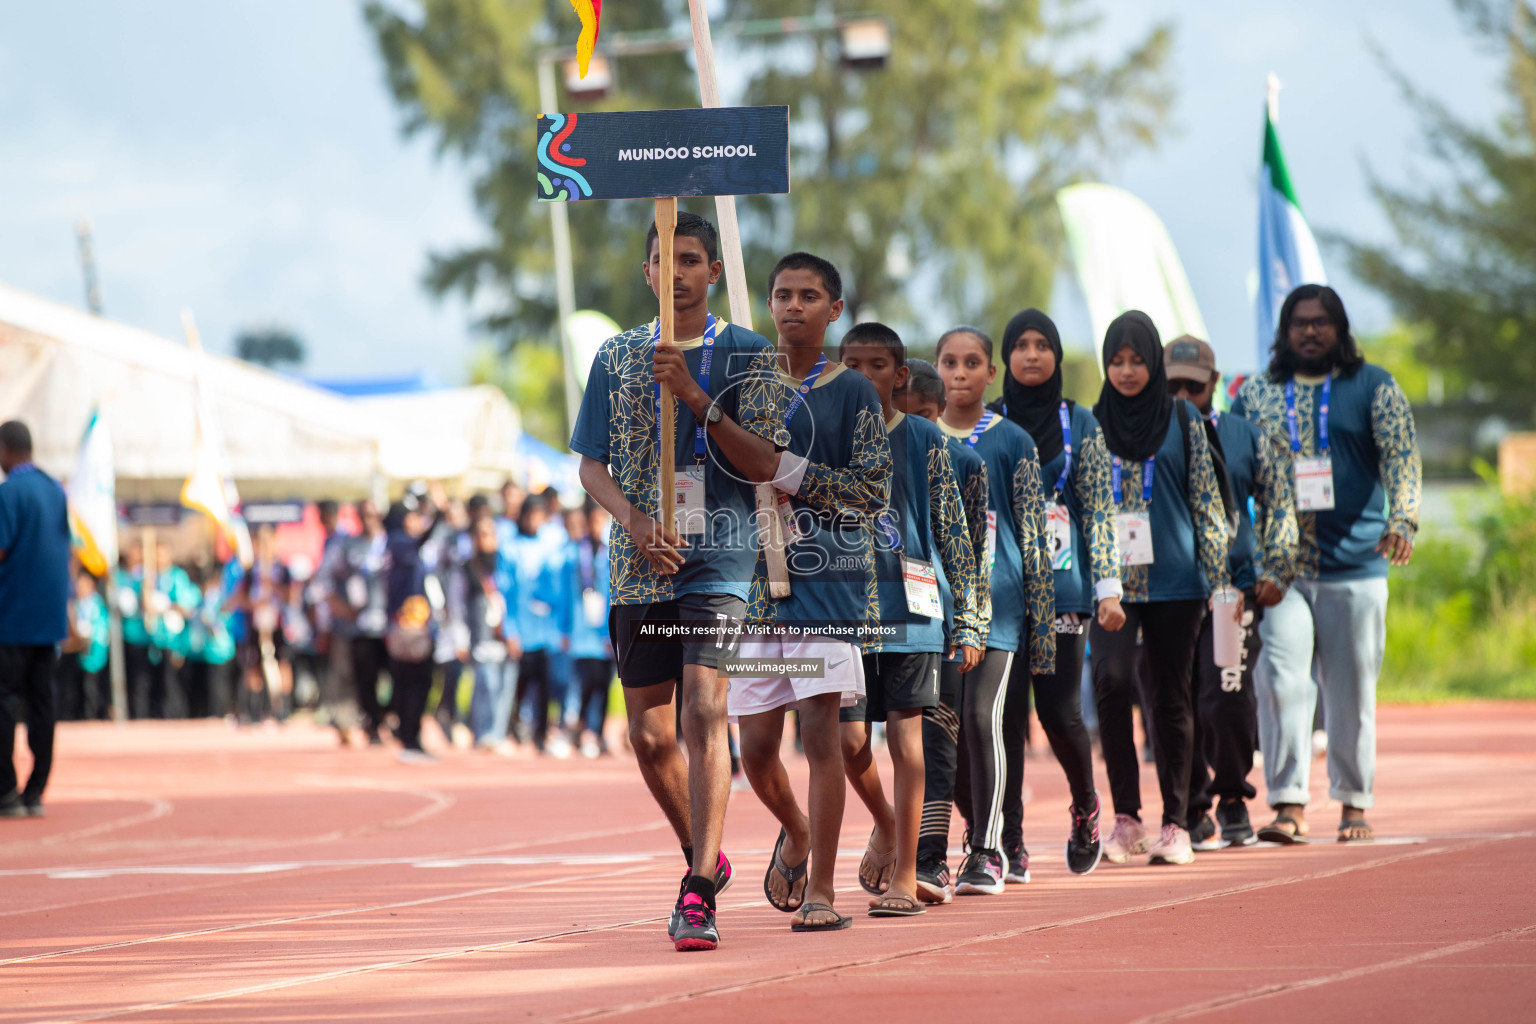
<point>681,564</point>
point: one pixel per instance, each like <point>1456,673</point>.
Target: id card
<point>1135,531</point>
<point>1058,531</point>
<point>1314,484</point>
<point>991,540</point>
<point>922,588</point>
<point>593,608</point>
<point>688,505</point>
<point>495,610</point>
<point>357,592</point>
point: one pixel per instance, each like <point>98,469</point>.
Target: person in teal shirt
<point>1173,543</point>
<point>210,650</point>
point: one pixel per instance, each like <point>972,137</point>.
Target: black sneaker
<point>1202,833</point>
<point>1018,865</point>
<point>34,806</point>
<point>933,884</point>
<point>1236,829</point>
<point>11,806</point>
<point>696,930</point>
<point>1083,846</point>
<point>981,874</point>
<point>723,879</point>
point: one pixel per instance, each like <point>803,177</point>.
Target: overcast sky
<point>245,160</point>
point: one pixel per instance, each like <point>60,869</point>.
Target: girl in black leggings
<point>1085,563</point>
<point>1172,536</point>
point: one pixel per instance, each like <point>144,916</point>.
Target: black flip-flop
<point>837,925</point>
<point>1346,824</point>
<point>791,875</point>
<point>1273,833</point>
<point>912,909</point>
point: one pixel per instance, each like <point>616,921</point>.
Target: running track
<point>186,872</point>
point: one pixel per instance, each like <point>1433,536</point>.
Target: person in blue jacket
<point>1347,442</point>
<point>482,601</point>
<point>542,617</point>
<point>1172,535</point>
<point>586,590</point>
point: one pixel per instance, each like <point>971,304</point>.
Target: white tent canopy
<point>283,438</point>
<point>468,435</point>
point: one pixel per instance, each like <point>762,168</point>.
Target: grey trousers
<point>1343,625</point>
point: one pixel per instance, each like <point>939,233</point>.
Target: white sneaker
<point>415,757</point>
<point>504,748</point>
<point>590,749</point>
<point>1172,847</point>
<point>1128,839</point>
<point>558,747</point>
<point>463,738</point>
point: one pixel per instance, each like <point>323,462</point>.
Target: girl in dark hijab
<point>1172,539</point>
<point>1135,424</point>
<point>1086,578</point>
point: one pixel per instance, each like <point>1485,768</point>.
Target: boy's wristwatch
<point>713,415</point>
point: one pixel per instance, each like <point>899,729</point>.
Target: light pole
<point>866,45</point>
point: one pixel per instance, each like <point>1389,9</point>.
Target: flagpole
<point>736,288</point>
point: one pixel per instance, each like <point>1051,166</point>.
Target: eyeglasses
<point>1319,324</point>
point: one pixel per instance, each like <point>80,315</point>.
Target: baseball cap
<point>1188,358</point>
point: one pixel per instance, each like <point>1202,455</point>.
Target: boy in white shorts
<point>834,476</point>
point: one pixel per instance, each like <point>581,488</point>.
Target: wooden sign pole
<point>666,227</point>
<point>736,288</point>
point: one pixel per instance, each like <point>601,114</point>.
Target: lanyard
<point>981,426</point>
<point>700,447</point>
<point>1066,450</point>
<point>1146,479</point>
<point>1322,416</point>
<point>887,524</point>
<point>1215,418</point>
<point>805,389</point>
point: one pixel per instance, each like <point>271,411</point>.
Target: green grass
<point>1461,621</point>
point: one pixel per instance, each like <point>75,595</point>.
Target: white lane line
<point>346,972</point>
<point>321,916</point>
<point>1286,988</point>
<point>676,997</point>
<point>158,808</point>
<point>757,983</point>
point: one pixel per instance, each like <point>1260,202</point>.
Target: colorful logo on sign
<point>563,182</point>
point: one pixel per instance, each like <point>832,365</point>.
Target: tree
<point>465,73</point>
<point>947,162</point>
<point>270,346</point>
<point>1463,268</point>
<point>934,181</point>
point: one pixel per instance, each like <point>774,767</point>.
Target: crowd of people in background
<point>489,616</point>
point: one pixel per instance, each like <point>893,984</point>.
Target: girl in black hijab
<point>1081,533</point>
<point>1173,544</point>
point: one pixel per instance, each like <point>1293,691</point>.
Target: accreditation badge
<point>922,584</point>
<point>688,516</point>
<point>593,608</point>
<point>1135,533</point>
<point>1058,531</point>
<point>1314,484</point>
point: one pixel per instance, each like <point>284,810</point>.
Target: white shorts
<point>843,674</point>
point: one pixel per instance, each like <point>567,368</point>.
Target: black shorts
<point>896,682</point>
<point>248,651</point>
<point>705,630</point>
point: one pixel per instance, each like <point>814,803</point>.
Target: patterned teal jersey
<point>617,426</point>
<point>1265,546</point>
<point>971,473</point>
<point>1089,501</point>
<point>1189,527</point>
<point>1377,471</point>
<point>925,523</point>
<point>840,431</point>
<point>1022,592</point>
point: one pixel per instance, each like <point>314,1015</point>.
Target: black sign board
<point>647,154</point>
<point>258,513</point>
<point>151,515</point>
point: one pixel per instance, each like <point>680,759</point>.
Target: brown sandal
<point>879,862</point>
<point>897,905</point>
<point>1356,830</point>
<point>1276,832</point>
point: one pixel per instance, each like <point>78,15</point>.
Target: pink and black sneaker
<point>723,879</point>
<point>1083,846</point>
<point>696,930</point>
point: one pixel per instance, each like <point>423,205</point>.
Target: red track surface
<point>186,872</point>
